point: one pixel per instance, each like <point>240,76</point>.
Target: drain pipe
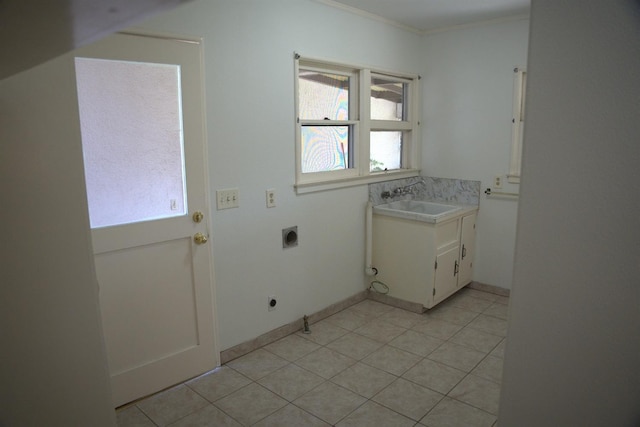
<point>369,269</point>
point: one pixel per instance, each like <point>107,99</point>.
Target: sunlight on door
<point>132,138</point>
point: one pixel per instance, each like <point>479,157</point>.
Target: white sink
<point>418,210</point>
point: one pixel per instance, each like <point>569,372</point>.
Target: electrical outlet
<point>271,198</point>
<point>497,181</point>
<point>227,198</point>
<point>271,300</point>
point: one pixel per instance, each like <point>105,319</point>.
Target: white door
<point>142,119</point>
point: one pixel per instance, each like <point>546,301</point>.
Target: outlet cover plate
<point>271,198</point>
<point>271,303</point>
<point>497,181</point>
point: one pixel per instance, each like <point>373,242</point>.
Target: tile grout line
<point>486,354</point>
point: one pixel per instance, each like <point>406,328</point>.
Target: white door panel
<point>166,324</point>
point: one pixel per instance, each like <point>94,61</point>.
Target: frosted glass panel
<point>132,139</point>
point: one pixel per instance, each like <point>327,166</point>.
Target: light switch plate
<point>227,198</point>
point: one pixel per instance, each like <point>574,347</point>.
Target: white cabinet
<point>454,259</point>
<point>423,262</point>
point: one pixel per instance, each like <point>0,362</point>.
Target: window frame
<point>517,124</point>
<point>405,126</point>
<point>361,126</point>
<point>352,122</point>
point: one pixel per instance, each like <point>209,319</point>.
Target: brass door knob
<point>200,239</point>
<point>197,216</point>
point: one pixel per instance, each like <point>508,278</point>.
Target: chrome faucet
<point>408,189</point>
<point>401,191</point>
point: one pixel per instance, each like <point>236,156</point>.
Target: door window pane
<point>132,139</point>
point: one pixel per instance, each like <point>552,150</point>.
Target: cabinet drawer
<point>448,234</point>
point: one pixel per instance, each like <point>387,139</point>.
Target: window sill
<point>313,187</point>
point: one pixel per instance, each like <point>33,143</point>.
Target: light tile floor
<point>368,365</point>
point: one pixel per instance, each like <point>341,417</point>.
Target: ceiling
<point>40,30</point>
<point>34,31</point>
<point>432,15</point>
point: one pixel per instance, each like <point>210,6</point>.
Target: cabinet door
<point>467,249</point>
<point>446,278</point>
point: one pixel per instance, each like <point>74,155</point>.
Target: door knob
<point>197,216</point>
<point>200,239</point>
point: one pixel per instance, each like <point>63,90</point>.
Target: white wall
<point>249,48</point>
<point>467,96</point>
<point>573,346</point>
<point>53,369</point>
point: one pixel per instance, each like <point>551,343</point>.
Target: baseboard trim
<point>489,288</point>
<point>415,307</point>
<point>281,332</point>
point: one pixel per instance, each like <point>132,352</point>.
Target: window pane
<point>325,148</point>
<point>132,140</point>
<point>323,96</point>
<point>386,151</point>
<point>387,99</point>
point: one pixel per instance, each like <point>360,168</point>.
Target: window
<point>517,127</point>
<point>353,125</point>
<point>328,119</point>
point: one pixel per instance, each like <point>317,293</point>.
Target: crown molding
<point>418,31</point>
